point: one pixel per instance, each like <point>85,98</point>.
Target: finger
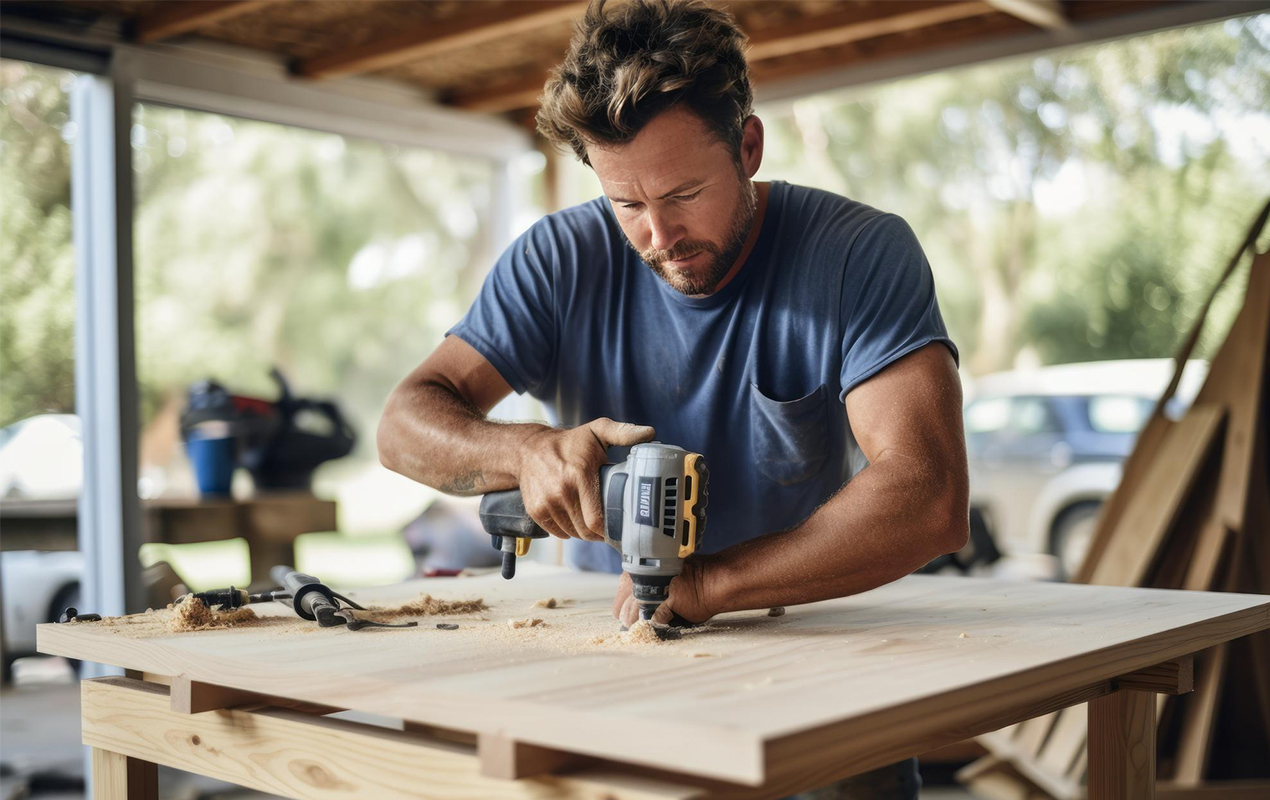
<point>623,592</point>
<point>592,507</point>
<point>572,509</point>
<point>546,520</point>
<point>630,612</point>
<point>663,614</point>
<point>620,434</point>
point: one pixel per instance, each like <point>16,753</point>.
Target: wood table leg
<point>117,777</point>
<point>1122,746</point>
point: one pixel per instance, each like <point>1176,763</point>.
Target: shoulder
<point>845,230</point>
<point>584,227</point>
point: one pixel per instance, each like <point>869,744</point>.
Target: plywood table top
<point>720,703</point>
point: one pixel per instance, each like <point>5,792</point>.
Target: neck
<point>761,189</point>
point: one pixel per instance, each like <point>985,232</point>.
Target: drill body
<point>654,515</point>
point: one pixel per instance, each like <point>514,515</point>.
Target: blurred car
<point>1046,447</point>
<point>38,586</point>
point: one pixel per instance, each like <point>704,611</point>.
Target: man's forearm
<point>431,435</point>
<point>891,519</point>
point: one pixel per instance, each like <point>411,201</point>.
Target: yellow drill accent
<point>690,504</point>
<point>522,545</point>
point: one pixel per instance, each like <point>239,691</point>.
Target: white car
<point>1046,447</point>
<point>38,586</point>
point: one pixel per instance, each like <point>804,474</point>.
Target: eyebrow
<point>685,185</point>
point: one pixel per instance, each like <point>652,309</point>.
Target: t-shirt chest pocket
<point>789,439</point>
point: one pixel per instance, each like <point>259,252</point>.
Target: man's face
<point>684,203</point>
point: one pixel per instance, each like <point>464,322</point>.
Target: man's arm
<point>434,430</point>
<point>908,506</point>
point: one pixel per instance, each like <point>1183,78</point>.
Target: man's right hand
<point>560,475</point>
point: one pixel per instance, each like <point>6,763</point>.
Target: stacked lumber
<point>1192,512</point>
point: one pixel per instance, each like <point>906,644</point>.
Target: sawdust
<point>192,614</point>
<point>964,636</point>
<point>549,602</point>
<point>424,606</point>
<point>527,622</point>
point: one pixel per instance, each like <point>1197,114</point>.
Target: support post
<point>118,777</point>
<point>1122,746</point>
<point>105,362</point>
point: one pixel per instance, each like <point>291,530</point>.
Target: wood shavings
<point>701,655</point>
<point>527,622</point>
<point>192,614</point>
<point>642,632</point>
<point>425,606</point>
<point>546,602</point>
<point>964,636</point>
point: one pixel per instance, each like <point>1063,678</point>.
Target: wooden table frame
<point>295,750</point>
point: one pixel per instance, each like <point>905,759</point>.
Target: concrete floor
<point>42,756</point>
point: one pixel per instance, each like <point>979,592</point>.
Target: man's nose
<point>664,229</point>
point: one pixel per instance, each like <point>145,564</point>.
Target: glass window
<point>342,262</point>
<point>40,451</point>
<point>1119,413</point>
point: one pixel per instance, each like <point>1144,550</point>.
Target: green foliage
<point>37,267</point>
<point>1074,206</point>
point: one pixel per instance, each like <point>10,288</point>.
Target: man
<point>721,315</point>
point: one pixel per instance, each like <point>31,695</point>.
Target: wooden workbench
<point>752,706</point>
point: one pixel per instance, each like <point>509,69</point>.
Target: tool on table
<point>654,515</point>
<point>71,614</point>
<point>310,598</point>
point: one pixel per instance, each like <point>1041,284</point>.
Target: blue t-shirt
<point>753,376</point>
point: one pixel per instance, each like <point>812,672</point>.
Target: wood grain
<point>1122,747</point>
<point>296,755</point>
<point>854,679</point>
<point>118,777</point>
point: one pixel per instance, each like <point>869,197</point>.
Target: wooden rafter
<point>804,35</point>
<point>1048,14</point>
<point>854,24</point>
<point>471,29</point>
<point>176,18</point>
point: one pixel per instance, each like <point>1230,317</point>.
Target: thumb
<point>621,434</point>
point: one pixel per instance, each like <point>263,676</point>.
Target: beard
<point>705,277</point>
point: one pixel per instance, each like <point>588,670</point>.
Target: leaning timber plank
<point>296,755</point>
<point>1122,747</point>
<point>1237,380</point>
<point>1199,718</point>
<point>1162,492</point>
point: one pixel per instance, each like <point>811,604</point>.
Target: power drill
<point>654,515</point>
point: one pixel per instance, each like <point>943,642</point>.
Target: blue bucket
<point>213,460</point>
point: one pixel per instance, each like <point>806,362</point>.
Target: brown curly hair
<point>624,68</point>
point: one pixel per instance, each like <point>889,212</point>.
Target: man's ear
<point>752,145</point>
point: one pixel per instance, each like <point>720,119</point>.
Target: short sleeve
<point>512,322</point>
<point>888,304</point>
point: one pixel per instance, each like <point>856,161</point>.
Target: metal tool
<point>71,614</point>
<point>309,597</point>
<point>654,515</point>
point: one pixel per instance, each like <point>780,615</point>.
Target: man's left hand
<point>688,597</point>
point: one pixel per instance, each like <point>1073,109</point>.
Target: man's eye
<point>690,196</point>
<point>630,205</point>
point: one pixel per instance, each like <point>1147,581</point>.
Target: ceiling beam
<point>1047,14</point>
<point>857,23</point>
<point>184,16</point>
<point>825,30</point>
<point>508,97</point>
<point>471,29</point>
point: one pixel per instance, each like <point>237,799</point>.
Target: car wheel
<point>1073,533</point>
